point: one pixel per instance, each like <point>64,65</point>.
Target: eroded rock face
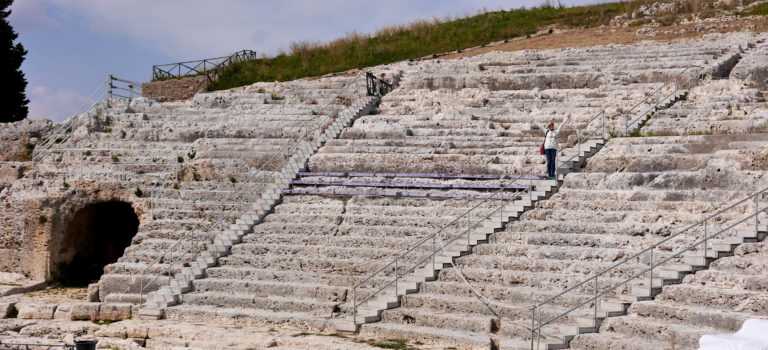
<point>17,140</point>
<point>36,214</point>
<point>174,89</point>
<point>753,69</point>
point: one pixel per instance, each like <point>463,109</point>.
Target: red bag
<point>542,149</point>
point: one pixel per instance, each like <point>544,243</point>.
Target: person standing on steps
<point>550,144</point>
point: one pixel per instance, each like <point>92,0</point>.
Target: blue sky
<point>74,44</point>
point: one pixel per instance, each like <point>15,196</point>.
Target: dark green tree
<point>13,100</point>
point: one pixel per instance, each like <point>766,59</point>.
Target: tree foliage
<point>13,100</point>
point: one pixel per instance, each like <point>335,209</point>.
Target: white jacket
<point>550,140</point>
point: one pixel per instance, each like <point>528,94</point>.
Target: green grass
<point>398,344</point>
<point>759,10</point>
<point>418,39</point>
<point>425,38</point>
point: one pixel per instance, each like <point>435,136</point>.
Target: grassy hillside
<point>423,38</point>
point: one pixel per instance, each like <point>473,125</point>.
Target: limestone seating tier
<point>182,281</point>
<point>719,107</point>
<point>179,206</point>
<point>712,301</point>
<point>388,219</point>
<point>568,238</point>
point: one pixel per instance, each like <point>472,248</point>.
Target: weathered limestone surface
<point>467,116</point>
<point>174,89</point>
<point>753,69</point>
<point>39,311</point>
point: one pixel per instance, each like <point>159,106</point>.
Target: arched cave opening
<point>97,236</point>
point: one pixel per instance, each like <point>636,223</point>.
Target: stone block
<point>85,311</point>
<point>137,331</point>
<point>93,292</point>
<point>63,311</point>
<point>115,312</point>
<point>36,311</point>
<point>112,331</point>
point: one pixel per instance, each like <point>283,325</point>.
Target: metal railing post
<point>706,236</point>
<point>109,85</point>
<point>595,303</point>
<point>602,121</point>
<point>354,306</point>
<point>396,278</point>
<point>650,285</point>
<point>578,146</point>
<point>756,211</point>
<point>469,214</point>
<point>530,189</point>
<point>533,325</point>
<point>434,252</point>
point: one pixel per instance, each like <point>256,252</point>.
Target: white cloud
<point>53,104</point>
<point>32,16</point>
<point>202,28</point>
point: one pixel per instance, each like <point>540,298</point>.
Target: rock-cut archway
<point>97,235</point>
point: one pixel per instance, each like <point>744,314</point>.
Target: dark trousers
<point>551,154</point>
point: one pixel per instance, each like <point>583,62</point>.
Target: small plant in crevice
<point>87,153</point>
<point>180,159</point>
<point>196,176</point>
<point>122,134</point>
<point>42,219</point>
<point>138,192</point>
<point>232,179</point>
<point>115,158</point>
<point>276,97</point>
<point>64,184</point>
<point>176,186</point>
<point>191,154</point>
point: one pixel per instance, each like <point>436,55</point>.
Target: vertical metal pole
<point>595,313</point>
<point>756,211</point>
<point>433,252</point>
<point>578,139</point>
<point>530,188</point>
<point>602,121</point>
<point>538,331</point>
<point>469,214</point>
<point>354,307</point>
<point>533,325</point>
<point>501,199</point>
<point>705,240</point>
<point>396,278</point>
<point>650,285</point>
<point>109,85</point>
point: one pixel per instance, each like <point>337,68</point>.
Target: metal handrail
<point>703,241</point>
<point>64,131</point>
<point>602,125</point>
<point>286,150</point>
<point>133,87</point>
<point>211,67</point>
<point>434,250</point>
